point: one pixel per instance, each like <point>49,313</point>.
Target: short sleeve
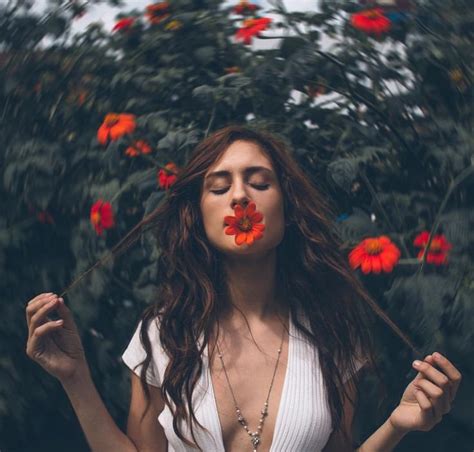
<point>135,353</point>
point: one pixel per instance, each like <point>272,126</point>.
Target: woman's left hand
<point>428,397</point>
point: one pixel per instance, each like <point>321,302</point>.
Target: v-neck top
<point>303,421</point>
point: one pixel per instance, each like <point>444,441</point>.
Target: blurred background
<point>101,103</point>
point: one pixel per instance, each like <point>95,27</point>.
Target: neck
<point>252,288</point>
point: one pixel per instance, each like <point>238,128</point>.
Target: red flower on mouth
<point>245,225</point>
<point>439,247</point>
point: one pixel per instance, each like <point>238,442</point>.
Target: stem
<point>131,182</point>
<point>452,186</point>
<point>116,250</point>
<point>213,114</point>
<point>381,208</point>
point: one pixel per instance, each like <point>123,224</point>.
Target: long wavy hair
<point>312,268</point>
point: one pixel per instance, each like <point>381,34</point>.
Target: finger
<point>41,295</point>
<point>41,332</point>
<point>445,384</point>
<point>426,406</point>
<point>449,370</point>
<point>39,317</point>
<point>435,395</point>
<point>432,374</point>
<point>36,304</point>
<point>65,313</point>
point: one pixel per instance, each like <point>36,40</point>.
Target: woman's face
<point>239,181</point>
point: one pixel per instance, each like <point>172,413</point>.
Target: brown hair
<point>313,271</point>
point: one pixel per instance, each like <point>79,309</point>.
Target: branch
<point>452,186</point>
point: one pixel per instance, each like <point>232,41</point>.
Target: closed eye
<point>257,186</point>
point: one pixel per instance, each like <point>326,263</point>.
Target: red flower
<point>439,247</point>
<point>315,90</point>
<point>371,21</point>
<point>157,12</point>
<point>102,216</point>
<point>232,70</point>
<point>251,28</point>
<point>138,147</point>
<point>245,225</point>
<point>45,217</point>
<point>124,24</point>
<point>375,254</point>
<point>115,125</point>
<point>244,6</point>
<point>165,178</point>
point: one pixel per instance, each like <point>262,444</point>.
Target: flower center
<point>373,246</point>
<point>456,75</point>
<point>249,23</point>
<point>372,14</point>
<point>111,119</point>
<point>435,246</point>
<point>245,224</point>
<point>95,217</point>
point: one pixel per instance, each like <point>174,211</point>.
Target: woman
<point>259,328</point>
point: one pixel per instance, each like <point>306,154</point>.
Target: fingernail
<point>416,363</point>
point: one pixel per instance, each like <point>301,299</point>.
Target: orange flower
<point>45,217</point>
<point>371,21</point>
<point>157,12</point>
<point>375,254</point>
<point>165,178</point>
<point>138,147</point>
<point>81,97</point>
<point>102,216</point>
<point>115,125</point>
<point>124,24</point>
<point>77,96</point>
<point>245,225</point>
<point>232,70</point>
<point>245,7</point>
<point>251,28</point>
<point>439,247</point>
<point>315,90</point>
<point>174,25</point>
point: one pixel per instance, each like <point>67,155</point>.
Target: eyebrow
<point>247,171</point>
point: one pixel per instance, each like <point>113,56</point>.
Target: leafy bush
<point>380,118</point>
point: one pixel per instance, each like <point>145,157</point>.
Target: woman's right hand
<point>55,346</point>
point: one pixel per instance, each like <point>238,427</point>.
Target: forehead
<point>239,155</point>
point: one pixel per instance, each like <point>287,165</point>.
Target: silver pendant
<point>255,440</point>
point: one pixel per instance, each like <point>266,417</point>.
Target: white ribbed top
<point>303,421</point>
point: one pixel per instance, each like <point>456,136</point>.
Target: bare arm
<point>424,402</point>
<point>57,347</point>
<point>100,429</point>
<point>384,439</point>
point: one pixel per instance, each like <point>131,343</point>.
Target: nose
<point>239,196</point>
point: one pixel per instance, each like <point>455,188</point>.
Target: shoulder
<point>135,353</point>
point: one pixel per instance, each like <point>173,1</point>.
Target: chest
<point>250,373</point>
